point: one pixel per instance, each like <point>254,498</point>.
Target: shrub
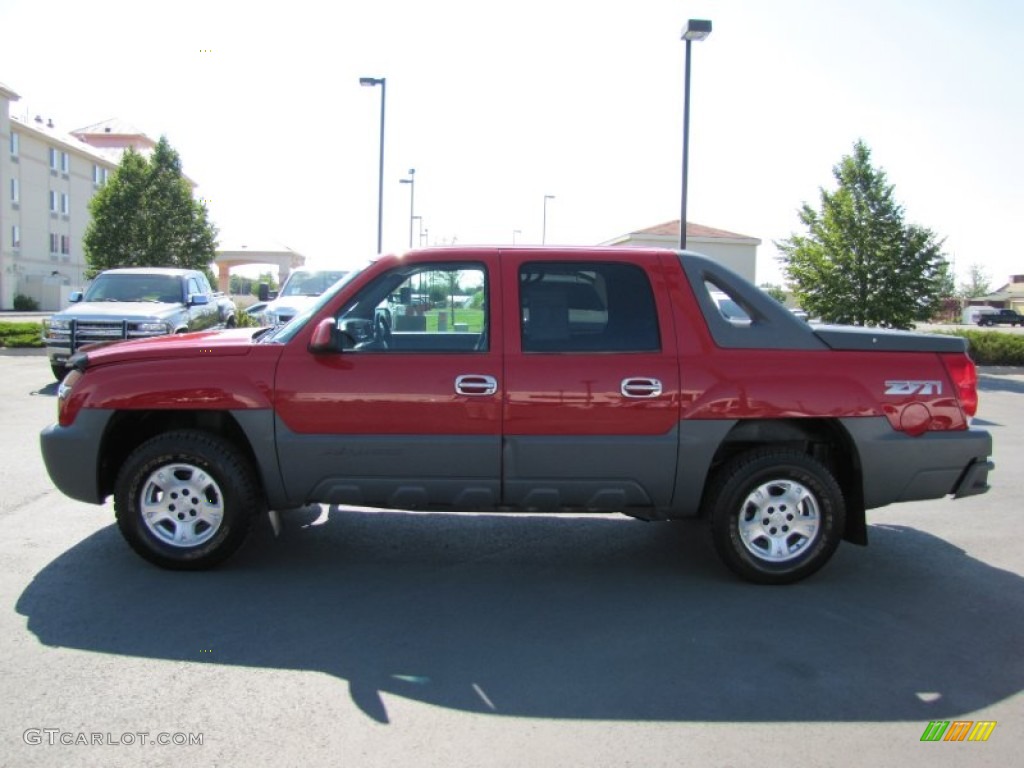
<point>23,303</point>
<point>993,347</point>
<point>21,335</point>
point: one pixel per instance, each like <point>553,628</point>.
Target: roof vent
<point>39,118</point>
<point>49,123</point>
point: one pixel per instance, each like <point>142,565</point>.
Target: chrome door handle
<point>475,384</point>
<point>640,387</point>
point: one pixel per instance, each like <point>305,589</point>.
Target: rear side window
<point>586,307</point>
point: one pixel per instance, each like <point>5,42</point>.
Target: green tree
<point>777,292</point>
<point>146,216</point>
<point>859,262</point>
<point>977,283</point>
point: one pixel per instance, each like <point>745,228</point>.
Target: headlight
<point>57,325</point>
<point>153,328</point>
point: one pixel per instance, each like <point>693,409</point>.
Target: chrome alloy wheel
<point>779,521</point>
<point>181,505</point>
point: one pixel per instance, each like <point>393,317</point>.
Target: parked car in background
<point>1001,317</point>
<point>135,303</point>
<point>299,291</point>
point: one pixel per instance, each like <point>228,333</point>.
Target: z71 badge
<point>913,387</point>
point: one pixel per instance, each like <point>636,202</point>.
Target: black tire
<point>201,493</point>
<point>60,370</point>
<point>777,515</point>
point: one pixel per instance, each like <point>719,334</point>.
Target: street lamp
<point>370,82</point>
<point>544,227</point>
<point>411,181</point>
<point>419,230</point>
<point>695,29</point>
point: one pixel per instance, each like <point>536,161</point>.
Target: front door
<point>409,415</point>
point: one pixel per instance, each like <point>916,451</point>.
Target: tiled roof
<point>112,127</point>
<point>671,228</point>
<point>51,132</point>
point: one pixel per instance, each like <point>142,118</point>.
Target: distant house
<point>1010,296</point>
<point>738,252</point>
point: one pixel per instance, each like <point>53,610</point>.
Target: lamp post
<point>694,29</point>
<point>544,226</point>
<point>411,181</point>
<point>370,82</point>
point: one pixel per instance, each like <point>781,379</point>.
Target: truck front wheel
<point>776,515</point>
<point>185,500</point>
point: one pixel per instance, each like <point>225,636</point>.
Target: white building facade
<point>47,178</point>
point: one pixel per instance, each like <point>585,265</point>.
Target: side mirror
<point>324,339</point>
<point>75,296</point>
<point>198,299</point>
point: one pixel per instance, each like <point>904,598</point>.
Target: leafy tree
<point>777,292</point>
<point>146,216</point>
<point>977,283</point>
<point>859,262</point>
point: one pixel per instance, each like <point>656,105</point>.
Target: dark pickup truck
<point>135,303</point>
<point>1001,317</point>
<point>539,379</point>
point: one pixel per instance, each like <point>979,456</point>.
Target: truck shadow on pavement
<point>548,617</point>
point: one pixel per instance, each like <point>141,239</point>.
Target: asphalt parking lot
<point>391,639</point>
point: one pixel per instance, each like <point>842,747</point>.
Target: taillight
<point>964,376</point>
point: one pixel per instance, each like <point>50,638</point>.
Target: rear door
<point>591,411</point>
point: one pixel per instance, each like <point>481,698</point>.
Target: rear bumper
<point>896,467</point>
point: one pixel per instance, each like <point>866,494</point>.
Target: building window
<point>65,163</point>
<point>53,159</point>
<point>65,203</point>
<point>15,191</point>
<point>99,175</point>
<point>54,244</point>
<point>15,140</point>
<point>65,244</point>
<point>53,201</point>
<point>15,236</point>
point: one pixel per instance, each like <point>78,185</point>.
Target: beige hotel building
<point>47,177</point>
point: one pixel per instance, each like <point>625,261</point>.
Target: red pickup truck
<point>550,379</point>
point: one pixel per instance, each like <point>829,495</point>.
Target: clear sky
<point>496,104</point>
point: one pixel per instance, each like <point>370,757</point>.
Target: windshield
<point>310,283</point>
<point>285,332</point>
<point>155,288</point>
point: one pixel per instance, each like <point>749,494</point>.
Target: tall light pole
<point>694,29</point>
<point>544,226</point>
<point>411,181</point>
<point>369,82</point>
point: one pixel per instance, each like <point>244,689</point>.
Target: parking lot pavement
<point>383,639</point>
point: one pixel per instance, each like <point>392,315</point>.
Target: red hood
<point>226,343</point>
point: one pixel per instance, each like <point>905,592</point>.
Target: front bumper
<point>72,455</point>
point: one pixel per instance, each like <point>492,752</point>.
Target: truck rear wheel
<point>185,500</point>
<point>776,515</point>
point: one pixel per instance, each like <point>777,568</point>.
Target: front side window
<point>586,307</point>
<point>420,308</point>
